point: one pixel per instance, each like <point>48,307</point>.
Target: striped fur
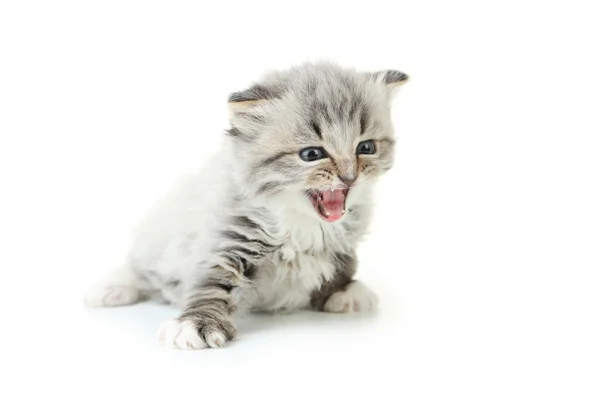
<point>242,234</point>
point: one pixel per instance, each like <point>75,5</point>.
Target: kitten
<point>273,222</point>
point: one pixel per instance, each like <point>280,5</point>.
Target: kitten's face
<point>315,134</point>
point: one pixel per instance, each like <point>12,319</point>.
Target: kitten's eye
<point>313,153</point>
<point>366,147</point>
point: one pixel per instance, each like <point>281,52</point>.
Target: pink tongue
<point>333,204</point>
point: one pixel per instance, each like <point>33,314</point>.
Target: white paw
<point>180,335</point>
<point>184,335</point>
<point>111,295</point>
<point>356,297</point>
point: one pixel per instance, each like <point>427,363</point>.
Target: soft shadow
<point>307,320</point>
<point>144,319</point>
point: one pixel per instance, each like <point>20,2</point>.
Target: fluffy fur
<point>242,234</point>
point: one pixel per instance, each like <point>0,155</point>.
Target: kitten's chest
<point>288,276</point>
<point>285,280</point>
<point>298,235</point>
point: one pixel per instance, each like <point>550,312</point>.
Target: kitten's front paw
<point>356,297</point>
<point>192,334</point>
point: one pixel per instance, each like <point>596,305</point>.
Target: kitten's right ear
<point>390,78</point>
<point>251,97</point>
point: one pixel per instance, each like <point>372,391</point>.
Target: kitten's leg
<point>211,301</point>
<point>119,288</point>
<point>342,294</point>
<point>206,319</point>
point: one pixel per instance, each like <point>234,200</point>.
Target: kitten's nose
<point>347,179</point>
<point>346,170</point>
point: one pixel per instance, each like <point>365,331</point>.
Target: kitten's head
<point>314,134</point>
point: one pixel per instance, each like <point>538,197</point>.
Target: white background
<point>486,246</point>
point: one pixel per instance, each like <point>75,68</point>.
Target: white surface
<point>485,252</point>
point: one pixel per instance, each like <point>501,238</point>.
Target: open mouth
<point>330,203</point>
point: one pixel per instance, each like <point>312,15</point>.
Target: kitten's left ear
<point>390,78</point>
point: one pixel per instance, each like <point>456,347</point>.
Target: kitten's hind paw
<point>102,295</point>
<point>192,334</point>
<point>356,297</point>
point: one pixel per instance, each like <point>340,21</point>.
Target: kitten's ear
<point>247,115</point>
<point>250,97</point>
<point>392,79</point>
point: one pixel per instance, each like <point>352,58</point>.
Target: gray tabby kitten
<point>273,224</point>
